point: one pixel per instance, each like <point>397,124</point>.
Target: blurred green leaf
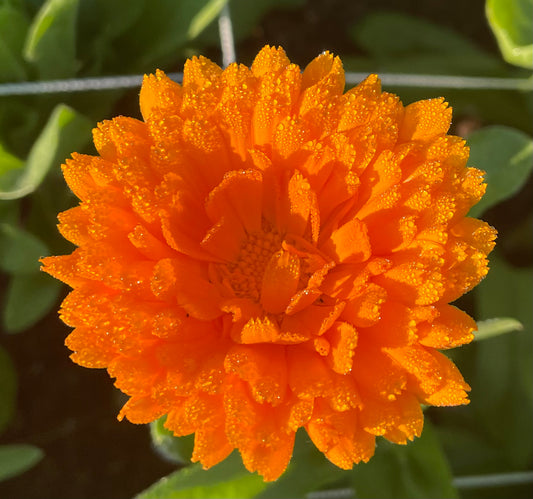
<point>8,389</point>
<point>229,479</point>
<point>504,364</point>
<point>66,131</point>
<point>29,298</point>
<point>8,161</point>
<point>419,470</point>
<point>176,449</point>
<point>205,17</point>
<point>16,459</point>
<point>245,16</point>
<point>20,250</point>
<point>13,29</point>
<point>506,155</point>
<point>171,20</point>
<point>51,41</point>
<point>512,24</point>
<point>468,449</point>
<point>495,327</point>
<point>392,34</point>
<point>400,42</point>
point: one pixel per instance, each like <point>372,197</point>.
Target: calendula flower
<point>264,252</point>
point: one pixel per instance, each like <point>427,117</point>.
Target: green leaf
<point>229,479</point>
<point>171,20</point>
<point>504,364</point>
<point>176,449</point>
<point>65,132</point>
<point>495,327</point>
<point>512,24</point>
<point>16,459</point>
<point>8,389</point>
<point>8,162</point>
<point>29,298</point>
<point>506,155</point>
<point>13,29</point>
<point>205,17</point>
<point>245,16</point>
<point>51,42</point>
<point>419,470</point>
<point>20,250</point>
<point>388,35</point>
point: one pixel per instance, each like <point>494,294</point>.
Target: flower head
<point>264,252</point>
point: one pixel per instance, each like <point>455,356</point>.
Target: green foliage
<point>419,470</point>
<point>512,24</point>
<point>29,298</point>
<point>19,250</point>
<point>16,459</point>
<point>495,327</point>
<point>65,132</point>
<point>228,479</point>
<point>504,364</point>
<point>398,42</point>
<point>176,449</point>
<point>205,17</point>
<point>51,42</point>
<point>13,28</point>
<point>506,155</point>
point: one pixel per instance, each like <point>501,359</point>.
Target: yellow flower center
<point>245,274</point>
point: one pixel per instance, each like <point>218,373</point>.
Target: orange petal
<point>451,328</point>
<point>239,194</point>
<point>269,60</point>
<point>364,310</point>
<point>401,419</point>
<point>259,431</point>
<point>263,367</point>
<point>256,330</point>
<point>343,339</point>
<point>159,91</point>
<point>211,445</point>
<point>349,243</point>
<point>91,348</point>
<point>141,410</point>
<point>313,320</point>
<point>425,119</point>
<point>324,67</point>
<point>187,281</point>
<point>340,436</point>
<point>280,281</point>
<point>437,380</point>
<point>377,374</point>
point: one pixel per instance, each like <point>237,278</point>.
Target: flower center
<point>245,274</point>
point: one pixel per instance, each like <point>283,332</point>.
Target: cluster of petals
<point>264,252</point>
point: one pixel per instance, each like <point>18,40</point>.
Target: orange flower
<point>265,252</point>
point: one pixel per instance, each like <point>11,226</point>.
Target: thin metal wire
<point>493,480</point>
<point>446,81</point>
<point>460,482</point>
<point>225,30</point>
<point>391,79</point>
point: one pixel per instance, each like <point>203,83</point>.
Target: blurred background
<point>59,434</point>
